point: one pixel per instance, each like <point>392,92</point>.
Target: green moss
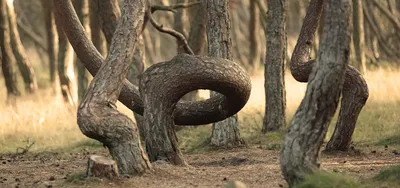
<point>328,180</point>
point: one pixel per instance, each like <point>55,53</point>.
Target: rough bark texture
<point>354,97</point>
<point>82,9</point>
<point>224,133</point>
<point>275,95</point>
<point>197,38</point>
<point>64,50</point>
<point>358,36</point>
<point>51,33</point>
<point>163,84</point>
<point>7,57</point>
<point>254,29</point>
<point>96,32</point>
<point>25,67</point>
<point>299,156</point>
<point>211,110</point>
<point>98,117</point>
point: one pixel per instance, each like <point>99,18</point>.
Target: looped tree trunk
<point>163,84</point>
<point>355,89</point>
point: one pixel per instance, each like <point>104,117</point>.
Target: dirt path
<point>253,166</point>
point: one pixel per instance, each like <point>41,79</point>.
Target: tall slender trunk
<point>299,156</point>
<point>224,133</point>
<point>82,9</point>
<point>96,32</point>
<point>7,57</point>
<point>24,65</point>
<point>64,51</point>
<point>51,33</point>
<point>358,36</point>
<point>275,94</point>
<point>179,17</point>
<point>254,29</point>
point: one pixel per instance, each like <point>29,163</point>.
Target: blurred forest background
<point>47,118</point>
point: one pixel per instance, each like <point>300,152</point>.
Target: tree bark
<point>7,57</point>
<point>163,84</point>
<point>108,14</point>
<point>254,29</point>
<point>225,133</point>
<point>51,33</point>
<point>301,67</point>
<point>211,110</point>
<point>96,32</point>
<point>98,117</point>
<point>197,39</point>
<point>64,51</point>
<point>275,95</point>
<point>179,25</point>
<point>82,9</point>
<point>299,156</point>
<point>24,65</point>
<point>358,36</point>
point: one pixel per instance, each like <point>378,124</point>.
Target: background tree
<point>82,9</point>
<point>224,133</point>
<point>52,43</point>
<point>7,57</point>
<point>254,28</point>
<point>96,31</point>
<point>307,131</point>
<point>275,96</point>
<point>24,65</point>
<point>358,36</point>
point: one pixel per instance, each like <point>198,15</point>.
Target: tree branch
<point>172,32</point>
<point>172,8</point>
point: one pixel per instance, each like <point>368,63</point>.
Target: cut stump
<point>99,166</point>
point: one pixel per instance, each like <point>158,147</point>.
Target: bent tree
<point>161,86</point>
<point>355,89</point>
<point>299,156</point>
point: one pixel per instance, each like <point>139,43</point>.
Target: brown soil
<point>253,166</point>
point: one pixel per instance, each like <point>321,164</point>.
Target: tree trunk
<point>108,14</point>
<point>64,51</point>
<point>299,156</point>
<point>27,72</point>
<point>301,66</point>
<point>96,32</point>
<point>7,57</point>
<point>225,133</point>
<point>163,84</point>
<point>51,33</point>
<point>254,29</point>
<point>197,39</point>
<point>358,36</point>
<point>179,25</point>
<point>275,94</point>
<point>82,9</point>
<point>97,114</point>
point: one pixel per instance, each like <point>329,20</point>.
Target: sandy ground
<point>254,166</point>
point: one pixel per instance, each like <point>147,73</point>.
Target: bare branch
<point>172,8</point>
<point>182,40</point>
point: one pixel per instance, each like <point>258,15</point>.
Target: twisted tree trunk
<point>299,156</point>
<point>24,65</point>
<point>353,98</point>
<point>163,84</point>
<point>97,114</point>
<point>275,95</point>
<point>225,133</point>
<point>7,57</point>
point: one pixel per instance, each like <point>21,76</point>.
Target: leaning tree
<point>161,87</point>
<point>355,89</point>
<point>299,156</point>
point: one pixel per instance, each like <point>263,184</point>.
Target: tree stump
<point>99,166</point>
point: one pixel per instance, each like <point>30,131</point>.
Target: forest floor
<point>59,152</point>
<point>255,167</point>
